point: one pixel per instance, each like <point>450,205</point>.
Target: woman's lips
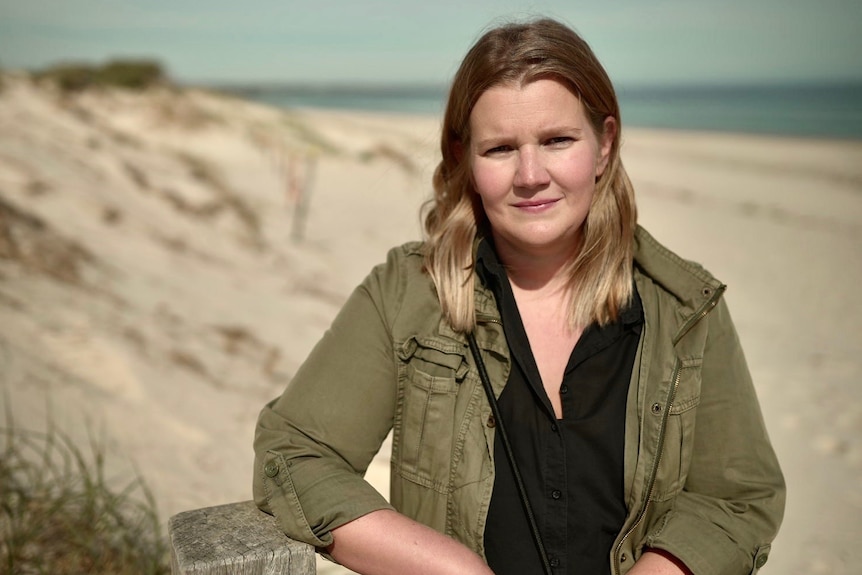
<point>536,205</point>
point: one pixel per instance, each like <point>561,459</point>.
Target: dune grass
<point>60,514</point>
<point>128,74</point>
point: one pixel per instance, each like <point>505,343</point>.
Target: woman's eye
<point>558,141</point>
<point>497,150</point>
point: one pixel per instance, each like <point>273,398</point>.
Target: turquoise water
<point>397,99</point>
<point>824,110</point>
<point>806,110</point>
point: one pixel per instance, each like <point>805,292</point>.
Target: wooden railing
<point>235,539</point>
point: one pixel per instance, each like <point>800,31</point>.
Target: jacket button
<point>491,421</point>
<point>554,562</point>
<point>556,493</point>
<point>271,469</point>
<point>623,558</point>
<point>761,561</point>
<point>656,408</point>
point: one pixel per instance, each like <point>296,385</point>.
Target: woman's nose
<point>531,171</point>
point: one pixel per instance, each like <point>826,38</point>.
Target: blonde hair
<point>600,276</point>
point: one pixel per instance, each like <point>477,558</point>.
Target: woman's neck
<point>539,271</point>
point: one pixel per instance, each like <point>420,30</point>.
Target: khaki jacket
<point>701,479</point>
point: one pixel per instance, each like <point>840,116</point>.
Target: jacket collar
<point>687,281</point>
<point>485,301</point>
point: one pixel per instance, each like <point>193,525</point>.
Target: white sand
<point>194,306</point>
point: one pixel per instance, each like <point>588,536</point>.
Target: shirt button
<point>761,561</point>
<point>556,493</point>
<point>271,469</point>
<point>554,562</point>
<point>564,389</point>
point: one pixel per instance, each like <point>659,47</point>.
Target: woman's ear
<point>606,144</point>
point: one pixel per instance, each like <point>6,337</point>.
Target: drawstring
<point>510,455</point>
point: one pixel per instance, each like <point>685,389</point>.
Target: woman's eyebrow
<point>555,130</point>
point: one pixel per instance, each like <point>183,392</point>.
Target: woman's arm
<point>385,542</point>
<point>657,562</point>
<point>726,516</point>
<point>315,442</point>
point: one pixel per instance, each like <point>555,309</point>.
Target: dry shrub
<point>178,110</point>
<point>29,241</point>
<point>225,198</point>
<point>188,361</point>
<point>387,152</point>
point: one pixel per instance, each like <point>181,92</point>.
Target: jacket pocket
<point>679,431</point>
<point>430,375</point>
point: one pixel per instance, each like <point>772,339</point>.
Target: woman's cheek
<point>490,180</point>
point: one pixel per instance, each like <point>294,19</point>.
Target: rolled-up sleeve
<point>732,504</point>
<point>315,442</point>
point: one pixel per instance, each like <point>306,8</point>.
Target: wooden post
<point>235,539</point>
<point>301,174</point>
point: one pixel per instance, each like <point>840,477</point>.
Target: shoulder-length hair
<point>600,276</point>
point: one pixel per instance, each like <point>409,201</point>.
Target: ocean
<point>832,110</point>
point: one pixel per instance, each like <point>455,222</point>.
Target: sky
<point>645,42</point>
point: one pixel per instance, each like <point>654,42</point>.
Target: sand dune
<point>153,288</point>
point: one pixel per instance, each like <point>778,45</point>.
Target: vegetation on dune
<point>59,513</point>
<point>127,74</point>
<point>33,244</point>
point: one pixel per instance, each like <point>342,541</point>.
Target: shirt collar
<point>488,265</point>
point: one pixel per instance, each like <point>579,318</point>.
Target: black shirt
<point>573,467</point>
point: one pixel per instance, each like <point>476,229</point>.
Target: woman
<point>634,443</point>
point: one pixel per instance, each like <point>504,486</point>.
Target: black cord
<point>510,455</point>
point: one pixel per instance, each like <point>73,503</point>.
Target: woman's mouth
<point>536,205</point>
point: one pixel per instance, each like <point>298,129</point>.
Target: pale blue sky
<point>639,41</point>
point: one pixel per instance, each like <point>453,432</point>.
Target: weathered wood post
<point>235,539</point>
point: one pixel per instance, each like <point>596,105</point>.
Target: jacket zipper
<point>654,471</point>
<point>705,309</point>
<point>692,321</point>
<point>483,318</point>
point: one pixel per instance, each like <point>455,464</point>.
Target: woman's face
<point>535,159</point>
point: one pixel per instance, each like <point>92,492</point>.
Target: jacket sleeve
<point>315,442</point>
<point>732,502</point>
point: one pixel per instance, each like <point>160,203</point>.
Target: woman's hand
<point>385,542</point>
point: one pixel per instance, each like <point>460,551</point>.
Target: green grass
<point>127,74</point>
<point>59,514</point>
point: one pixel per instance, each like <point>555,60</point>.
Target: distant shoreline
<point>830,110</point>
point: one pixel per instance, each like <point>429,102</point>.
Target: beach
<point>168,258</point>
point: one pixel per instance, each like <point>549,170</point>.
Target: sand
<point>154,292</point>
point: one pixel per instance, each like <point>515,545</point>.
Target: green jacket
<point>701,479</point>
